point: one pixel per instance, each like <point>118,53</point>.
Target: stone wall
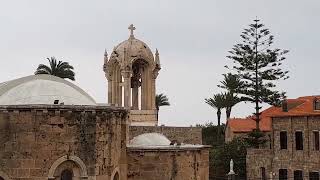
<point>257,158</point>
<point>143,117</point>
<point>38,142</point>
<point>168,164</point>
<point>291,159</point>
<point>188,135</point>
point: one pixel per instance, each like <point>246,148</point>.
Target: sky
<point>193,39</point>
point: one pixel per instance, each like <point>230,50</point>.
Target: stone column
<point>114,89</point>
<point>143,89</point>
<point>127,88</point>
<point>109,91</point>
<point>135,97</point>
<point>155,74</point>
<point>119,88</point>
<point>120,93</point>
<point>149,90</point>
<point>116,92</point>
<point>153,93</point>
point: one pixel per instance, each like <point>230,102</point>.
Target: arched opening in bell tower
<point>140,85</point>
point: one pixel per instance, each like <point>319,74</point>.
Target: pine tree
<point>258,66</point>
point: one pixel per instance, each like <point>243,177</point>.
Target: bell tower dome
<point>131,71</point>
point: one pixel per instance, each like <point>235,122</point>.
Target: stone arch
<point>150,61</point>
<point>115,174</point>
<point>4,176</point>
<point>75,159</point>
<point>114,76</point>
<point>141,84</point>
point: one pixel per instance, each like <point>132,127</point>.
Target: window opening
<point>263,173</point>
<point>299,140</point>
<point>283,140</point>
<point>283,174</point>
<point>314,175</point>
<point>297,175</point>
<point>316,140</point>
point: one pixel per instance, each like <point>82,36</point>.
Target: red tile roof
<point>302,106</point>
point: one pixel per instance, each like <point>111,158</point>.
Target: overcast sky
<point>193,38</point>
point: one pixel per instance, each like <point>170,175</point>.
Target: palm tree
<point>217,102</point>
<point>161,100</point>
<point>230,100</point>
<point>61,69</point>
<point>233,85</point>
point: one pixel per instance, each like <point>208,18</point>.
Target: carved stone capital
<point>108,76</point>
<point>126,74</point>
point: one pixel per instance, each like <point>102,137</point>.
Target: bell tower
<point>131,71</point>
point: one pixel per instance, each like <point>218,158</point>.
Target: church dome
<point>150,139</point>
<point>42,89</point>
<point>132,49</point>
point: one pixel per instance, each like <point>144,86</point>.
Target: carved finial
<point>157,59</point>
<point>105,53</point>
<point>131,28</point>
<point>105,56</point>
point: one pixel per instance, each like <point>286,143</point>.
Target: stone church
<point>50,129</point>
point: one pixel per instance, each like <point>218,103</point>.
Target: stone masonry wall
<point>168,165</point>
<point>33,138</point>
<point>257,158</point>
<point>291,159</point>
<point>188,135</point>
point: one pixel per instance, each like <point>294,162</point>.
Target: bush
<point>221,153</point>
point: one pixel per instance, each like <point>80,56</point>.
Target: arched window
<point>66,175</point>
<point>116,176</point>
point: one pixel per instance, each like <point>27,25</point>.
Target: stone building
<point>294,151</point>
<point>52,129</point>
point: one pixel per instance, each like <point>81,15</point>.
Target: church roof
<point>302,106</point>
<point>42,89</point>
